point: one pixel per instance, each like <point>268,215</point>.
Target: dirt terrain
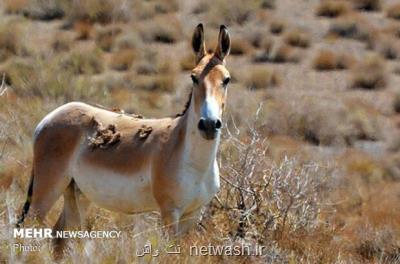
<point>310,162</point>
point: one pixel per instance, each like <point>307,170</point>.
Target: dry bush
<point>122,60</point>
<point>236,12</point>
<point>351,26</point>
<point>370,73</point>
<point>83,29</point>
<point>332,8</point>
<point>155,73</point>
<point>268,4</point>
<point>127,40</point>
<point>262,77</point>
<point>61,42</point>
<point>386,45</point>
<point>162,29</point>
<point>393,11</point>
<point>277,27</point>
<point>240,46</point>
<point>37,9</point>
<point>261,201</point>
<point>187,62</point>
<point>393,29</point>
<point>15,6</point>
<point>10,40</point>
<point>83,62</point>
<point>102,11</point>
<point>105,37</point>
<point>276,52</point>
<point>367,5</point>
<point>298,38</point>
<point>306,118</point>
<point>49,78</point>
<point>328,60</point>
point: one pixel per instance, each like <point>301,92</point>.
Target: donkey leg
<point>69,219</point>
<point>83,204</point>
<point>188,220</point>
<point>170,220</point>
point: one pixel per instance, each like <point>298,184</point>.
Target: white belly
<point>116,192</point>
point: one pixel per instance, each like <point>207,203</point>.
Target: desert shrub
<point>351,26</point>
<point>155,73</point>
<point>10,40</point>
<point>187,62</point>
<point>122,60</point>
<point>268,4</point>
<point>61,42</point>
<point>83,29</point>
<point>240,46</point>
<point>14,6</point>
<point>83,62</point>
<point>298,38</point>
<point>276,52</point>
<point>393,11</point>
<point>236,12</point>
<point>102,11</point>
<point>258,197</point>
<point>328,60</point>
<point>36,9</point>
<point>47,78</point>
<point>386,45</point>
<point>367,5</point>
<point>164,30</point>
<point>168,6</point>
<point>127,41</point>
<point>277,26</point>
<point>262,77</point>
<point>332,8</point>
<point>105,37</point>
<point>370,73</point>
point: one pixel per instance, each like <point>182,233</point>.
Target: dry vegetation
<point>310,164</point>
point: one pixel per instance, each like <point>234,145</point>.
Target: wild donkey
<point>128,164</point>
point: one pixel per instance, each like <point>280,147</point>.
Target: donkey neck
<point>199,153</point>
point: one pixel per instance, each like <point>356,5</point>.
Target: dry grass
<point>393,11</point>
<point>262,77</point>
<point>370,73</point>
<point>332,8</point>
<point>327,60</point>
<point>298,38</point>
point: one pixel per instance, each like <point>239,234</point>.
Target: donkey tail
<point>27,204</point>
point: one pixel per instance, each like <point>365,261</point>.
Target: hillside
<point>310,161</point>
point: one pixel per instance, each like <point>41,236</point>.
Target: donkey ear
<point>224,43</point>
<point>198,44</point>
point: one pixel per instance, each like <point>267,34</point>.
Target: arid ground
<point>310,161</point>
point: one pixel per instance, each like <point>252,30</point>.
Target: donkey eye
<point>194,79</point>
<point>226,81</point>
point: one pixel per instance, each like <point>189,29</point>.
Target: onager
<point>128,164</point>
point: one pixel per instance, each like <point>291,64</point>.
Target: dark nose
<point>209,125</point>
